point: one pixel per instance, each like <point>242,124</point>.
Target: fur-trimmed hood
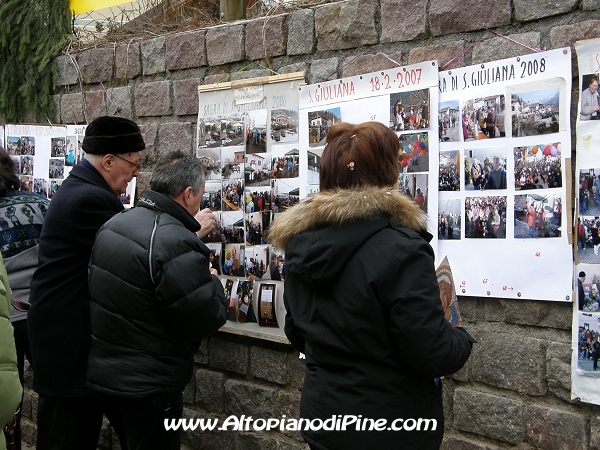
<point>343,206</point>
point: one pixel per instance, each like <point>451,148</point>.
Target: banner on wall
<point>504,142</point>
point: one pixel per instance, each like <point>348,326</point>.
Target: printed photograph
<point>214,257</point>
<point>71,152</point>
<point>588,239</point>
<point>257,260</point>
<point>245,308</point>
<point>319,123</point>
<point>449,172</point>
<point>209,132</point>
<point>588,336</point>
<point>233,195</point>
<point>26,182</point>
<point>257,223</point>
<point>284,125</point>
<point>56,169</point>
<point>285,163</point>
<point>232,162</point>
<point>212,196</point>
<point>13,145</point>
<point>17,161</point>
<point>27,166</point>
<point>409,110</point>
<point>449,219</point>
<point>589,192</point>
<point>538,216</point>
<point>535,112</point>
<point>211,159</point>
<point>40,186</point>
<point>256,131</point>
<point>485,169</point>
<point>232,130</point>
<point>485,217</point>
<point>483,118</point>
<point>538,166</point>
<point>449,121</point>
<point>28,145</point>
<point>285,193</point>
<point>257,169</point>
<point>314,159</point>
<point>258,198</point>
<point>233,260</point>
<point>232,227</point>
<point>413,155</point>
<point>230,286</point>
<point>58,148</point>
<point>54,185</point>
<point>415,187</point>
<point>589,104</point>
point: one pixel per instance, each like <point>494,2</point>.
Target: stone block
<point>128,62</point>
<point>270,365</point>
<point>149,155</point>
<point>558,369</point>
<point>301,32</point>
<point>500,48</point>
<point>95,104</point>
<point>265,37</point>
<point>189,393</point>
<point>343,25</point>
<point>538,313</point>
<point>489,415</point>
<point>288,404</point>
<point>228,356</point>
<point>551,428</point>
<point>250,399</point>
<point>370,63</point>
<point>71,108</point>
<point>225,44</point>
<point>66,70</point>
<point>210,394</point>
<point>252,73</point>
<point>462,374</point>
<point>590,5</point>
<point>143,181</point>
<point>468,309</point>
<point>509,362</point>
<point>175,136</point>
<point>96,65</point>
<point>286,445</point>
<point>29,432</point>
<point>56,102</point>
<point>448,17</point>
<point>27,404</point>
<point>494,310</point>
<point>528,10</point>
<point>153,99</point>
<point>595,433</point>
<point>215,440</point>
<point>201,356</point>
<point>453,442</point>
<point>106,432</point>
<point>118,102</point>
<point>153,55</point>
<point>291,68</point>
<point>394,24</point>
<point>216,78</point>
<point>567,35</point>
<point>186,50</point>
<point>323,70</point>
<point>256,441</point>
<point>447,401</point>
<point>297,369</point>
<point>443,53</point>
<point>185,93</point>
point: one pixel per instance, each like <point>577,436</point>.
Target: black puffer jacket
<point>363,304</point>
<point>153,299</point>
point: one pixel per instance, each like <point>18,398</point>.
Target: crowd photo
<point>485,217</point>
<point>409,110</point>
<point>538,166</point>
<point>589,192</point>
<point>449,219</point>
<point>538,216</point>
<point>449,170</point>
<point>483,118</point>
<point>485,169</point>
<point>414,186</point>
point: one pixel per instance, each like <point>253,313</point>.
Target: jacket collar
<point>161,203</point>
<point>91,176</point>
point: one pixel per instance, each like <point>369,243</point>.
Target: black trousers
<point>68,423</point>
<point>140,422</point>
<point>22,344</point>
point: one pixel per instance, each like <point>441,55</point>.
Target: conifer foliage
<point>32,34</point>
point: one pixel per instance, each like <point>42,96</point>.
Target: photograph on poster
<point>314,159</point>
<point>256,131</point>
<point>285,193</point>
<point>26,183</point>
<point>212,196</point>
<point>209,132</point>
<point>232,130</point>
<point>538,166</point>
<point>267,305</point>
<point>27,166</point>
<point>449,170</point>
<point>538,216</point>
<point>257,223</point>
<point>245,291</point>
<point>484,118</point>
<point>260,197</point>
<point>13,145</point>
<point>71,152</point>
<point>233,260</point>
<point>588,239</point>
<point>449,219</point>
<point>230,286</point>
<point>276,270</point>
<point>588,343</point>
<point>409,110</point>
<point>54,185</point>
<point>588,285</point>
<point>319,123</point>
<point>589,104</point>
<point>485,168</point>
<point>40,186</point>
<point>232,162</point>
<point>286,160</point>
<point>415,187</point>
<point>127,197</point>
<point>214,258</point>
<point>413,155</point>
<point>28,145</point>
<point>232,227</point>
<point>17,161</point>
<point>485,217</point>
<point>211,159</point>
<point>57,148</point>
<point>216,236</point>
<point>56,169</point>
<point>233,195</point>
<point>449,121</point>
<point>589,192</point>
<point>257,260</point>
<point>257,169</point>
<point>535,112</point>
<point>284,125</point>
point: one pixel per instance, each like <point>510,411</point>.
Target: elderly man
<point>151,307</point>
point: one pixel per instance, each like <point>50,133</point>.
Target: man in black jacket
<point>151,306</point>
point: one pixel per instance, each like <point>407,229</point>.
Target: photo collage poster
<point>401,99</point>
<point>250,148</point>
<point>504,134</point>
<point>40,156</point>
<point>585,375</point>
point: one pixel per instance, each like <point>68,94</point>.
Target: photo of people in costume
<point>485,217</point>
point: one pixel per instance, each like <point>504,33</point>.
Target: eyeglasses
<point>137,165</point>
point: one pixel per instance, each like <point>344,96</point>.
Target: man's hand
<point>207,222</point>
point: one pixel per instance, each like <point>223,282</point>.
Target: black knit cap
<point>112,135</point>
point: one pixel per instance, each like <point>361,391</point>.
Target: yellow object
<point>82,6</point>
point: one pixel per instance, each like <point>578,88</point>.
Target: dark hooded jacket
<point>363,304</point>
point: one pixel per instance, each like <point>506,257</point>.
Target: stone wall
<point>515,390</point>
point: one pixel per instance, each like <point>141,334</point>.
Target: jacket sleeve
<point>424,340</point>
<point>290,329</point>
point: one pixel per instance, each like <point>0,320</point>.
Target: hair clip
<point>352,136</point>
<point>351,165</point>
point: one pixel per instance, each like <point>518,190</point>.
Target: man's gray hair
<point>175,171</point>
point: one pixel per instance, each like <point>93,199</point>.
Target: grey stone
<point>255,441</point>
<point>447,401</point>
<point>210,393</point>
<point>225,44</point>
<point>27,404</point>
<point>489,415</point>
<point>323,70</point>
<point>71,108</point>
<point>528,10</point>
<point>291,68</point>
<point>361,64</point>
<point>216,78</point>
<point>189,393</point>
<point>186,50</point>
<point>66,70</point>
<point>590,5</point>
<point>555,429</point>
<point>410,26</point>
<point>468,308</point>
<point>56,102</point>
<point>250,399</point>
<point>28,432</point>
<point>510,362</point>
<point>538,313</point>
<point>452,442</point>
<point>297,369</point>
<point>270,365</point>
<point>128,63</point>
<point>288,404</point>
<point>448,17</point>
<point>175,136</point>
<point>558,369</point>
<point>118,102</point>
<point>265,37</point>
<point>228,356</point>
<point>149,155</point>
<point>500,48</point>
<point>143,181</point>
<point>285,445</point>
<point>215,440</point>
<point>95,104</point>
<point>567,35</point>
<point>301,32</point>
<point>344,25</point>
<point>201,356</point>
<point>595,433</point>
<point>153,55</point>
<point>185,93</point>
<point>494,310</point>
<point>105,439</point>
<point>252,73</point>
<point>462,374</point>
<point>96,65</point>
<point>445,54</point>
<point>153,99</point>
